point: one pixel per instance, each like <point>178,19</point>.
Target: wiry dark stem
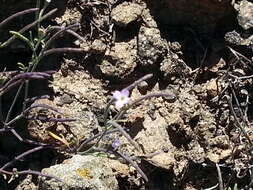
<point>24,113</point>
<point>82,145</point>
<point>229,100</point>
<point>17,158</point>
<point>63,50</point>
<point>5,89</point>
<point>45,119</point>
<point>57,34</point>
<point>127,158</point>
<point>125,134</point>
<point>18,14</point>
<point>28,76</point>
<point>28,27</point>
<point>26,140</point>
<point>25,172</point>
<point>148,96</point>
<point>134,84</point>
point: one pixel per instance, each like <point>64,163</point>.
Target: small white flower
<point>121,97</point>
<point>49,1</point>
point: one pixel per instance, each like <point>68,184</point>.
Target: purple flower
<point>121,97</point>
<point>116,144</point>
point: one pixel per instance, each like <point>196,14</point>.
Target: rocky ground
<point>200,52</point>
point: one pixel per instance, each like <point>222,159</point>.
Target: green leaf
<point>23,38</point>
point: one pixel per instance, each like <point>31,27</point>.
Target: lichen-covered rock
<point>80,172</point>
<point>126,13</point>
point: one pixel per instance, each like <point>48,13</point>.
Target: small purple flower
<point>121,97</point>
<point>116,144</point>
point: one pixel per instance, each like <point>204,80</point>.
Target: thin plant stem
<point>134,84</point>
<point>25,172</point>
<point>18,14</point>
<point>26,94</point>
<point>23,114</point>
<point>219,176</point>
<point>238,104</point>
<point>63,50</point>
<point>5,89</point>
<point>25,140</point>
<point>17,158</point>
<point>27,27</point>
<point>107,109</point>
<point>37,13</point>
<point>125,134</point>
<point>82,145</point>
<point>127,158</point>
<point>41,12</point>
<point>229,100</point>
<point>13,103</point>
<point>148,96</point>
<point>56,35</point>
<point>68,31</point>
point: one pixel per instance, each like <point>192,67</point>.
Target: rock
<point>80,172</point>
<point>240,38</point>
<point>142,87</point>
<point>233,37</point>
<point>163,160</point>
<point>121,60</point>
<point>69,132</point>
<point>212,88</point>
<point>172,67</point>
<point>151,47</point>
<point>79,96</point>
<point>245,16</point>
<point>148,18</point>
<point>26,184</point>
<point>126,13</point>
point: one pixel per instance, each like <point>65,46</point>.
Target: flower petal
<point>119,104</point>
<point>116,95</point>
<point>125,92</point>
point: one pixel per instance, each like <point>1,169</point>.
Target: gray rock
<point>80,172</point>
<point>121,60</point>
<point>126,13</point>
<point>151,47</point>
<point>26,184</point>
<point>172,67</point>
<point>245,16</point>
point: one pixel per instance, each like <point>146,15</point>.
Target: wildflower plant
<point>122,101</point>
